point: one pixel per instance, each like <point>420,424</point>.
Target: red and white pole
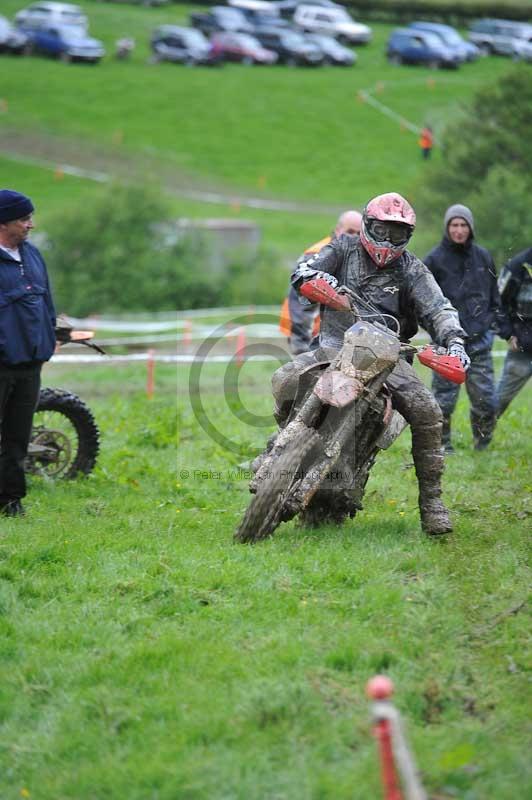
<point>394,751</point>
<point>187,332</point>
<point>240,345</point>
<point>379,689</point>
<point>150,374</point>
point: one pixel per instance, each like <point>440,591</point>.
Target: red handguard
<point>319,291</point>
<point>449,367</point>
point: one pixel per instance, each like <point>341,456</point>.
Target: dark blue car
<point>408,46</point>
<point>67,42</point>
<point>466,50</point>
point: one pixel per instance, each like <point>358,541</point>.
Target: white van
<point>334,21</point>
<point>42,15</point>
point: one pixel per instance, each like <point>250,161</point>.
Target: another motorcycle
<point>65,439</point>
<point>318,465</point>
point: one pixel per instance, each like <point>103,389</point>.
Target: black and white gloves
<point>456,348</point>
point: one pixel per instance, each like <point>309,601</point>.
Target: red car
<point>241,47</point>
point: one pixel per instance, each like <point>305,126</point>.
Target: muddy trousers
<point>417,405</point>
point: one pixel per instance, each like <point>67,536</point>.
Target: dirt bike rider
<point>382,271</point>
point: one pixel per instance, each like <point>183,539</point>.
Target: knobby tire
<point>83,424</point>
<point>265,511</point>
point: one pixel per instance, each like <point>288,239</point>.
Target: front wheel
<point>65,437</point>
<point>267,507</point>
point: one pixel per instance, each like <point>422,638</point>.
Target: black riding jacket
<point>515,287</point>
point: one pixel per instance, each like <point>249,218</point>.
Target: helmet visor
<point>394,232</point>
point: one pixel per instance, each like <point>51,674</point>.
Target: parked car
<point>11,40</point>
<point>260,19</point>
<point>334,21</point>
<point>181,46</point>
<point>499,35</point>
<point>46,15</point>
<point>67,42</point>
<point>287,7</point>
<point>467,51</point>
<point>407,46</point>
<point>241,47</point>
<point>291,47</point>
<point>522,50</point>
<point>335,53</point>
<point>220,18</point>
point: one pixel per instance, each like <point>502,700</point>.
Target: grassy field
<point>144,655</point>
<point>273,132</point>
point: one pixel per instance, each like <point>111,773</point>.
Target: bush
<point>113,257</point>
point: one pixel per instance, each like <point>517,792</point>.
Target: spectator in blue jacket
<point>27,340</point>
<point>467,277</point>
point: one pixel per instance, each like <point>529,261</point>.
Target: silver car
<point>46,14</point>
<point>499,35</point>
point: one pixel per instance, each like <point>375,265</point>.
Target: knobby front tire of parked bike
<point>65,437</point>
<point>267,508</point>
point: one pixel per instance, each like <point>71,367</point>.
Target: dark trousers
<point>517,370</point>
<point>19,394</point>
<point>480,387</point>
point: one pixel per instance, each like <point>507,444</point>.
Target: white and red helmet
<point>388,222</point>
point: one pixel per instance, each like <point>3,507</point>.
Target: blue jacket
<point>467,277</point>
<point>27,314</point>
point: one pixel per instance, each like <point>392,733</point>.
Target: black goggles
<point>393,232</point>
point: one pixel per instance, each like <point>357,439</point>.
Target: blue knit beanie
<point>14,205</point>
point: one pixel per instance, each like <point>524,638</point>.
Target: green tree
<point>112,256</point>
<point>487,164</point>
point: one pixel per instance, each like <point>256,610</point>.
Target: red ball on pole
<point>379,688</point>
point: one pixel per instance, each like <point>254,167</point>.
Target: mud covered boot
<point>446,436</point>
<point>435,519</point>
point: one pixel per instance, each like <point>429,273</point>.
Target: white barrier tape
<point>181,319</point>
<point>198,334</point>
<point>162,357</point>
<point>178,358</point>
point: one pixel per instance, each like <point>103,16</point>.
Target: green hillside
<point>267,132</point>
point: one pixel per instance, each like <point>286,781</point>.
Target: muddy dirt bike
<point>318,465</point>
<point>65,438</point>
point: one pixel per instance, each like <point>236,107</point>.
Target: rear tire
<point>395,60</point>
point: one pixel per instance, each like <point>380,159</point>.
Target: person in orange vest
<point>301,323</point>
<point>426,141</point>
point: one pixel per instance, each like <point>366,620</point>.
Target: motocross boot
<point>446,436</point>
<point>482,428</point>
<point>435,519</point>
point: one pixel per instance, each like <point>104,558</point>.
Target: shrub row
<point>446,11</point>
<point>399,11</point>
